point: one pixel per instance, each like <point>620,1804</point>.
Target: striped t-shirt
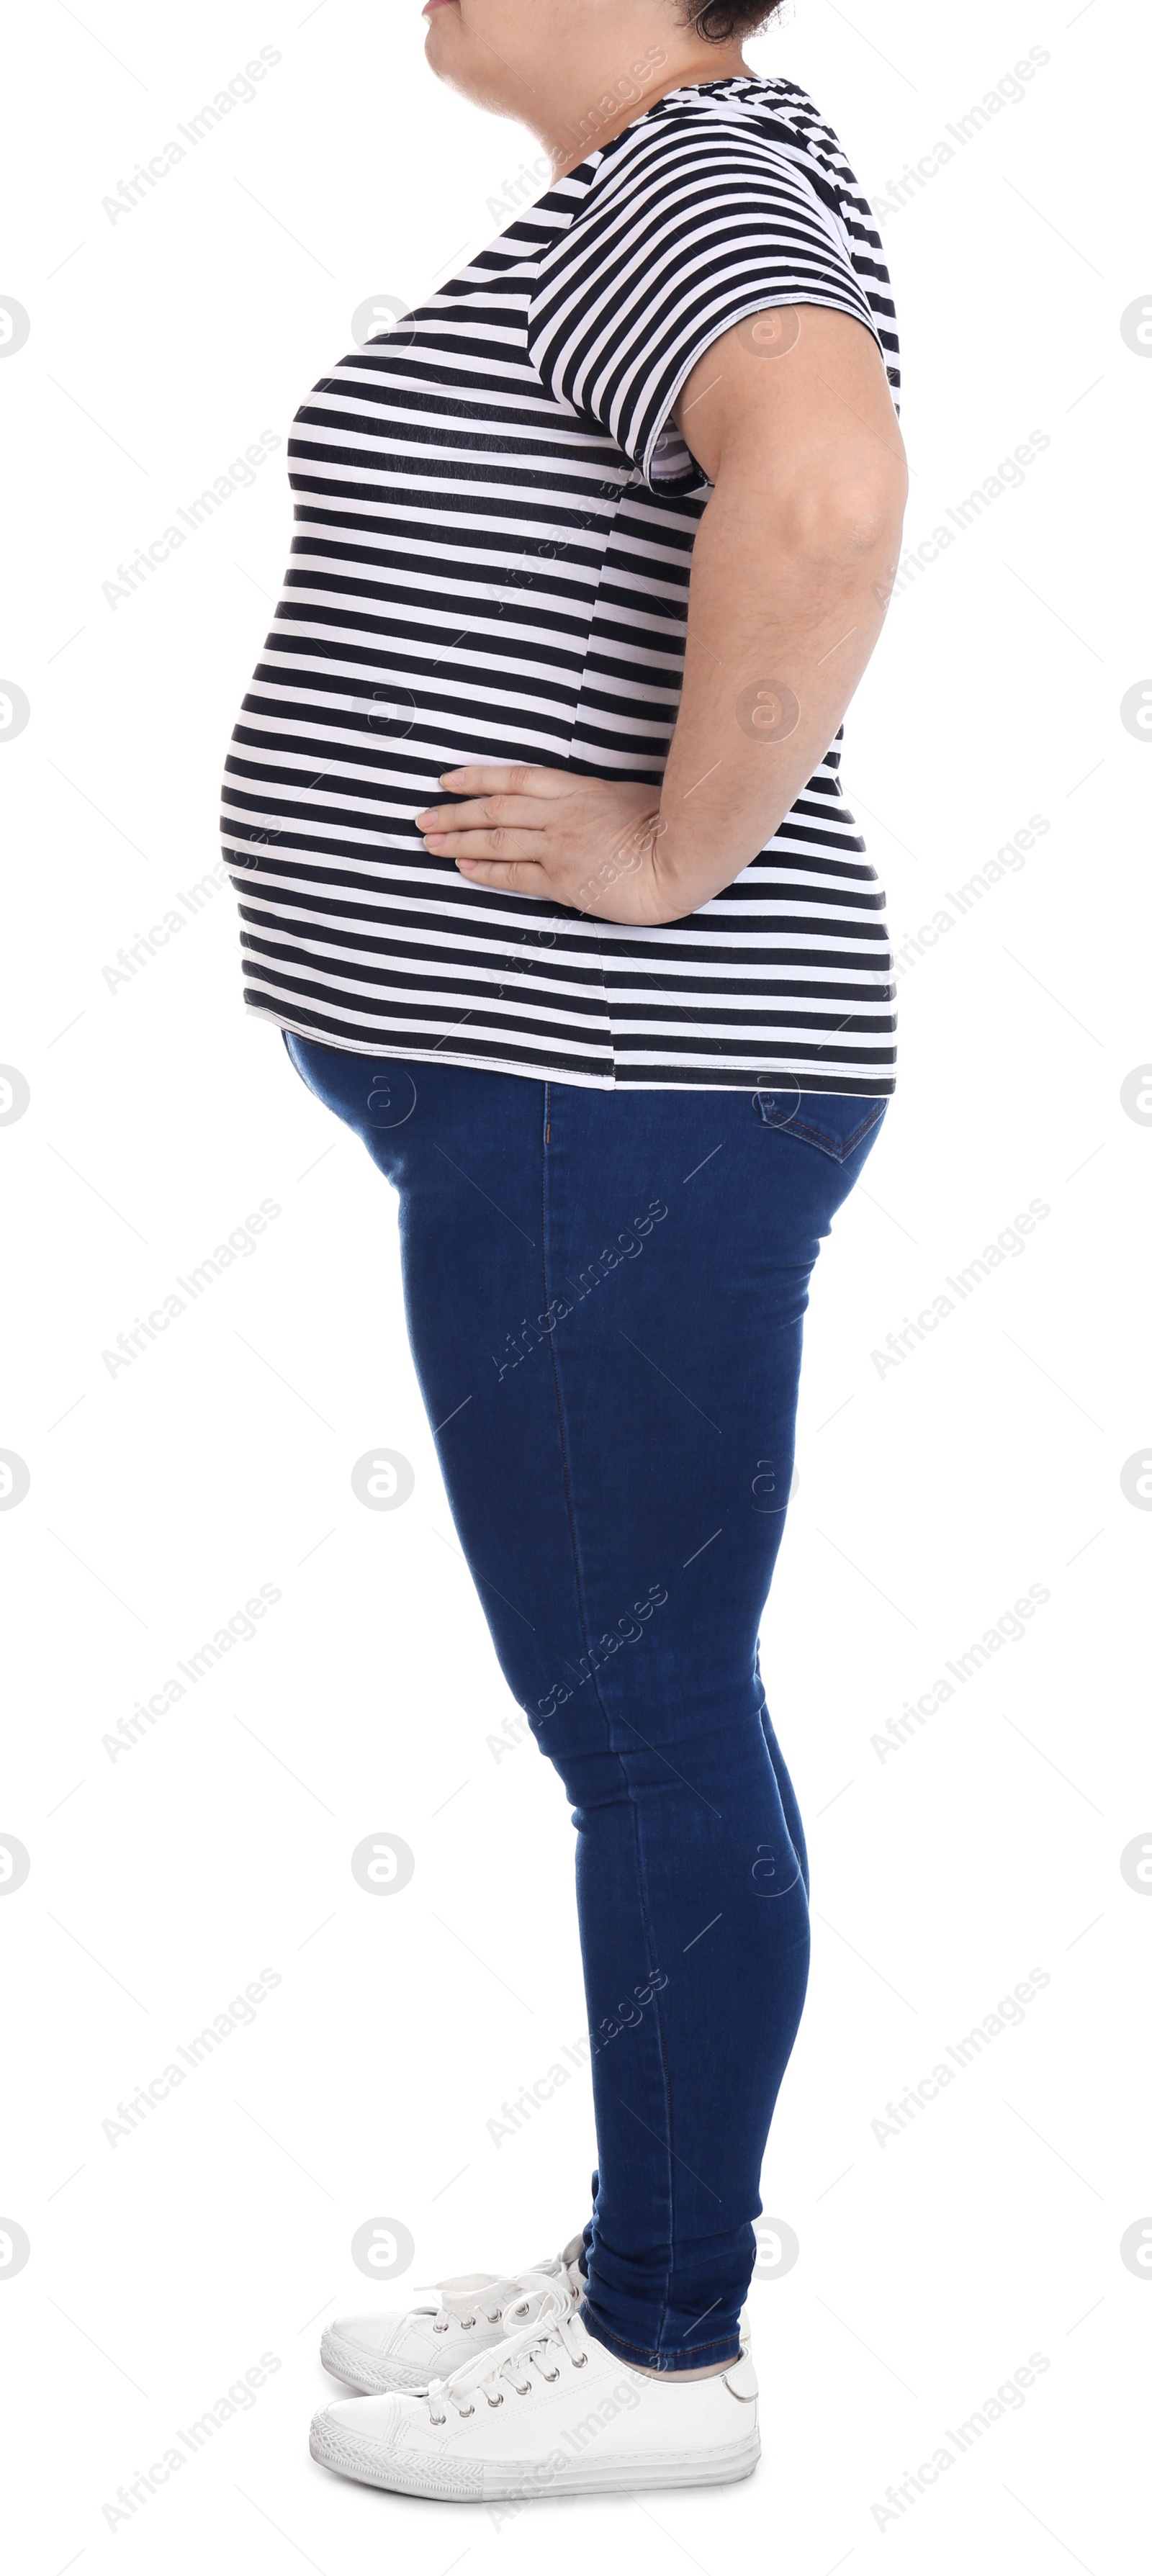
<point>495,518</point>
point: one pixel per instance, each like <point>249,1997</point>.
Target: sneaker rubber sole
<point>351,2363</point>
<point>459,2481</point>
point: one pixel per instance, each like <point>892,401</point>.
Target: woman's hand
<point>589,843</point>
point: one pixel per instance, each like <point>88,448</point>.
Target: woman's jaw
<point>576,72</point>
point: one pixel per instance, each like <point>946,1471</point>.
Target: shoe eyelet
<point>526,2391</point>
<point>494,2317</point>
<point>467,2323</point>
<point>582,2364</point>
<point>465,2410</point>
<point>441,2329</point>
<point>438,2419</point>
<point>496,2401</point>
<point>551,2374</point>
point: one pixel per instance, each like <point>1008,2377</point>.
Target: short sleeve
<point>691,229</point>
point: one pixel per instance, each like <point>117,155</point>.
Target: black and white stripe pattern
<point>494,536</point>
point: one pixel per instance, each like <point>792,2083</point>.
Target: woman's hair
<point>722,20</point>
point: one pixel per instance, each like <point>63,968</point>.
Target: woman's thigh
<point>605,1297</point>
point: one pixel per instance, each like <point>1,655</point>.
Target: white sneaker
<point>549,2411</point>
<point>410,2347</point>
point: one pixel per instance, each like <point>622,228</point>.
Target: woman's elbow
<point>845,518</point>
<point>850,511</point>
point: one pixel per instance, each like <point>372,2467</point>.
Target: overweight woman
<point>546,874</point>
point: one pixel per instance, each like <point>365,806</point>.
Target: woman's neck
<point>576,72</point>
<point>572,124</point>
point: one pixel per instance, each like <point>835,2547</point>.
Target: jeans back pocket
<point>835,1122</point>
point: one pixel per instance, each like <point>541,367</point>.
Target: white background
<point>164,2262</point>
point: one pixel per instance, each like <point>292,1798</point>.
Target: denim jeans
<point>605,1296</point>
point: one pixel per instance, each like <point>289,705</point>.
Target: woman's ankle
<point>710,2370</point>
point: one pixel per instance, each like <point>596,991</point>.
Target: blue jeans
<point>605,1296</point>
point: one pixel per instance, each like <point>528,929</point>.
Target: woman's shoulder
<point>729,138</point>
<point>762,112</point>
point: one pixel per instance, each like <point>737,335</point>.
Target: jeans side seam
<point>659,2026</point>
<point>569,1502</point>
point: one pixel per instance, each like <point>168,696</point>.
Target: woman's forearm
<point>782,621</point>
<point>791,418</point>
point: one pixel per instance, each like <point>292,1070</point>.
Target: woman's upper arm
<point>804,408</point>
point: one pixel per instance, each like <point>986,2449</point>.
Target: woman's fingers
<point>485,779</point>
<point>528,878</point>
<point>503,844</point>
<point>524,798</point>
<point>525,813</point>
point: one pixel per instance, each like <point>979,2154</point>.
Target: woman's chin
<point>440,22</point>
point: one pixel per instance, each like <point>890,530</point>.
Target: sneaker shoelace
<point>547,2333</point>
<point>462,2301</point>
<point>462,2306</point>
